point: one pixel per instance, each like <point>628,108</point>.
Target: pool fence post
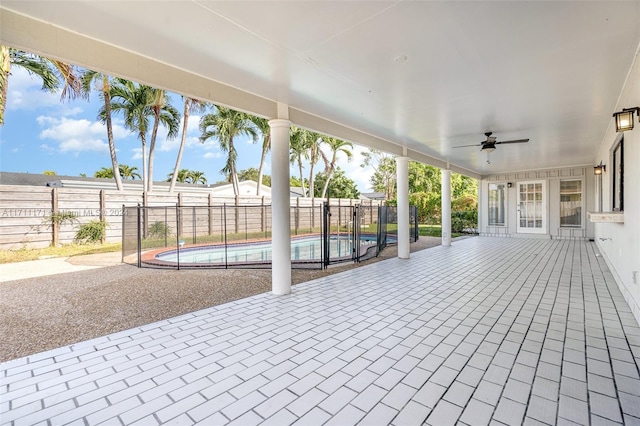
<point>102,216</point>
<point>139,237</point>
<point>210,215</point>
<point>194,231</point>
<point>224,221</point>
<point>123,233</point>
<point>178,224</point>
<point>237,213</point>
<point>263,217</point>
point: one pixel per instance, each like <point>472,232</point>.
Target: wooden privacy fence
<point>39,216</point>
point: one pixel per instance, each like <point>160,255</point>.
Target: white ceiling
<point>548,71</point>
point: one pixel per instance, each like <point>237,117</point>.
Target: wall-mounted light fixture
<point>509,184</point>
<point>624,119</point>
<point>598,170</point>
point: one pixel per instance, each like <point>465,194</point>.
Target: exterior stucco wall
<point>551,180</point>
<point>619,243</point>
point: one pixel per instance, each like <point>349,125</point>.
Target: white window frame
<point>582,192</point>
<point>506,204</point>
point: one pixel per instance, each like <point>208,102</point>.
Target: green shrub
<point>60,218</point>
<point>464,221</point>
<point>159,230</point>
<point>92,232</point>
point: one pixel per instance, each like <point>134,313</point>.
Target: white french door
<point>532,211</point>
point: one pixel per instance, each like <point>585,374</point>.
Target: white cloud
<point>137,154</point>
<point>24,92</point>
<point>174,144</point>
<point>74,135</point>
<point>212,154</point>
<point>353,170</point>
<point>192,140</point>
<point>46,148</point>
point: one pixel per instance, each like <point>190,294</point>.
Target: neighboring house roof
<point>373,195</point>
<point>33,179</point>
<point>246,187</point>
<point>296,191</point>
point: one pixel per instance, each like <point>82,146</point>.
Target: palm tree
<point>225,125</point>
<point>196,106</point>
<point>133,102</point>
<point>299,150</point>
<point>128,172</point>
<point>336,146</point>
<point>50,71</point>
<point>196,177</point>
<point>181,176</point>
<point>315,140</point>
<point>104,173</point>
<point>104,87</point>
<point>168,115</point>
<point>263,126</point>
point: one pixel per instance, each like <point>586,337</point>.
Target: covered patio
<point>489,329</point>
<point>538,326</point>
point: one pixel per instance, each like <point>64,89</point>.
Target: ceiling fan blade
<point>514,141</point>
<point>465,146</point>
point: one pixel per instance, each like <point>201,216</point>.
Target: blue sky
<point>42,133</point>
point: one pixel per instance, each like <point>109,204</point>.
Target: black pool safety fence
<point>239,236</point>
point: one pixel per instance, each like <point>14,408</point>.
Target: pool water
<point>302,249</point>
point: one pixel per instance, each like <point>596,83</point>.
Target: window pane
<point>618,177</point>
<point>571,203</point>
<point>496,204</point>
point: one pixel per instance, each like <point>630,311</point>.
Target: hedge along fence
<point>39,216</point>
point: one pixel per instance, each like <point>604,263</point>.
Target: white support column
<point>446,207</point>
<point>280,206</point>
<point>402,182</point>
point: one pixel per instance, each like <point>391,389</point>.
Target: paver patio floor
<point>488,330</point>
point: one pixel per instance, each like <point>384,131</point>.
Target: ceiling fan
<point>490,144</point>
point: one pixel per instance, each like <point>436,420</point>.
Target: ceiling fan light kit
<point>624,118</point>
<point>489,145</point>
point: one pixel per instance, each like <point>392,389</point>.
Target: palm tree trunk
<point>5,60</point>
<point>152,150</point>
<point>311,183</point>
<point>145,178</point>
<point>183,140</point>
<point>232,168</point>
<point>265,148</point>
<point>112,147</point>
<point>304,194</point>
<point>325,187</point>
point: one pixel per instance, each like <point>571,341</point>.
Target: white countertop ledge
<point>606,217</point>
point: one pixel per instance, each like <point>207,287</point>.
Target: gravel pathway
<point>43,313</point>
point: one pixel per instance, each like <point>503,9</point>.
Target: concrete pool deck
<point>56,265</point>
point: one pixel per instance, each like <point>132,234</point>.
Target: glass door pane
<point>531,211</point>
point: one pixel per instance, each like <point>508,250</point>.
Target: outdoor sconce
<point>599,169</point>
<point>624,119</point>
<point>509,184</point>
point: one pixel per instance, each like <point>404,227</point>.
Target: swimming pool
<point>303,249</point>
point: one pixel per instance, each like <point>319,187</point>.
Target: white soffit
<point>548,71</point>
